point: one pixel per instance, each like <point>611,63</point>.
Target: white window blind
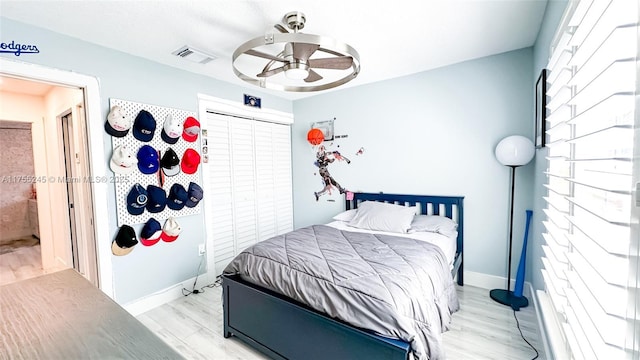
<point>590,262</point>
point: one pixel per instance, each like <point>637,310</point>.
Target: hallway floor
<point>22,262</point>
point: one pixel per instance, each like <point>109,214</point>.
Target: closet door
<point>265,184</point>
<point>218,191</point>
<point>282,178</point>
<point>273,179</point>
<point>243,183</point>
<point>250,182</point>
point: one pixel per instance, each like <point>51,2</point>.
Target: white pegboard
<point>123,187</point>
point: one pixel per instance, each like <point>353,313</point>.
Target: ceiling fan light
<point>296,74</point>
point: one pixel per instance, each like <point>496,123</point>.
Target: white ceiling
<point>19,86</point>
<point>394,38</point>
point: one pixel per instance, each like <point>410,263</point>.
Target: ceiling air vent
<point>194,55</point>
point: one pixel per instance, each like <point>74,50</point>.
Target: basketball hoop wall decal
<point>315,136</point>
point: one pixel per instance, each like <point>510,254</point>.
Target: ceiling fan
<point>294,57</point>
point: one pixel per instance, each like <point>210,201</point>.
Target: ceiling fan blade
<point>302,51</point>
<point>281,28</point>
<point>313,76</point>
<point>271,72</point>
<point>264,55</point>
<point>328,51</point>
<point>338,63</point>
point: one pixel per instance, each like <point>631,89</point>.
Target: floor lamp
<point>512,151</point>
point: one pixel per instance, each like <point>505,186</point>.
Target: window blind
<point>588,263</point>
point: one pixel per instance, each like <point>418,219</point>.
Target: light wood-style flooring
<point>482,329</point>
<point>24,263</point>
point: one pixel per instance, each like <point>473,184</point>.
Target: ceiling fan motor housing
<point>295,20</point>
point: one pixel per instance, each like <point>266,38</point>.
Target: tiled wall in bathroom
<point>16,175</point>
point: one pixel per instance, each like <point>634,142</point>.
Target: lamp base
<point>506,297</point>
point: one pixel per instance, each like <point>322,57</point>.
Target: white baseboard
<point>164,296</point>
<point>544,334</point>
<point>489,282</point>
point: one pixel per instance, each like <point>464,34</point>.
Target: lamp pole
<point>513,187</point>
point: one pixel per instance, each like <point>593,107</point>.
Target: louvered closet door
<point>219,192</point>
<point>250,182</point>
<point>283,181</point>
<point>243,183</point>
<point>265,185</point>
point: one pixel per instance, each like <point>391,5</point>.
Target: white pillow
<point>373,215</point>
<point>434,223</point>
<point>346,215</point>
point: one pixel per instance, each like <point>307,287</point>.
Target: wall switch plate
<point>201,250</point>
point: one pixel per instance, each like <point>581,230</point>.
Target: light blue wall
<point>552,16</point>
<point>429,133</point>
<point>122,76</point>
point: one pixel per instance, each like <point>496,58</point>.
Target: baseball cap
<point>144,126</point>
<point>118,122</point>
<point>151,232</point>
<point>124,242</point>
<point>148,162</point>
<point>171,130</point>
<point>194,194</point>
<point>171,230</point>
<point>136,200</point>
<point>190,161</point>
<point>177,197</point>
<point>157,199</point>
<point>170,163</point>
<point>191,129</point>
<point>122,160</point>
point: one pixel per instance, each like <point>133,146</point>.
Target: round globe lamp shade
<point>515,150</point>
<point>315,136</point>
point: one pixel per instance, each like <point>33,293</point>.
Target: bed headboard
<point>449,206</point>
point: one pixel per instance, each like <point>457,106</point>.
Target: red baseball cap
<point>190,129</point>
<point>190,161</point>
<point>171,230</point>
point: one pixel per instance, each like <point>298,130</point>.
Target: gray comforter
<point>393,286</point>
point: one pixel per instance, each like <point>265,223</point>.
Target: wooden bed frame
<point>285,329</point>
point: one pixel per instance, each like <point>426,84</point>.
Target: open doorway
<point>59,181</point>
<point>94,120</point>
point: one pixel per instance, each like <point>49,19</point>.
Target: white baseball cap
<point>171,230</point>
<point>171,130</point>
<point>122,160</point>
<point>118,122</point>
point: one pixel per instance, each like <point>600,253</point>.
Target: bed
<point>257,311</point>
<point>61,315</point>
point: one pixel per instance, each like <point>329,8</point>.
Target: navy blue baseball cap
<point>151,232</point>
<point>136,200</point>
<point>157,199</point>
<point>144,126</point>
<point>177,197</point>
<point>194,195</point>
<point>148,160</point>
